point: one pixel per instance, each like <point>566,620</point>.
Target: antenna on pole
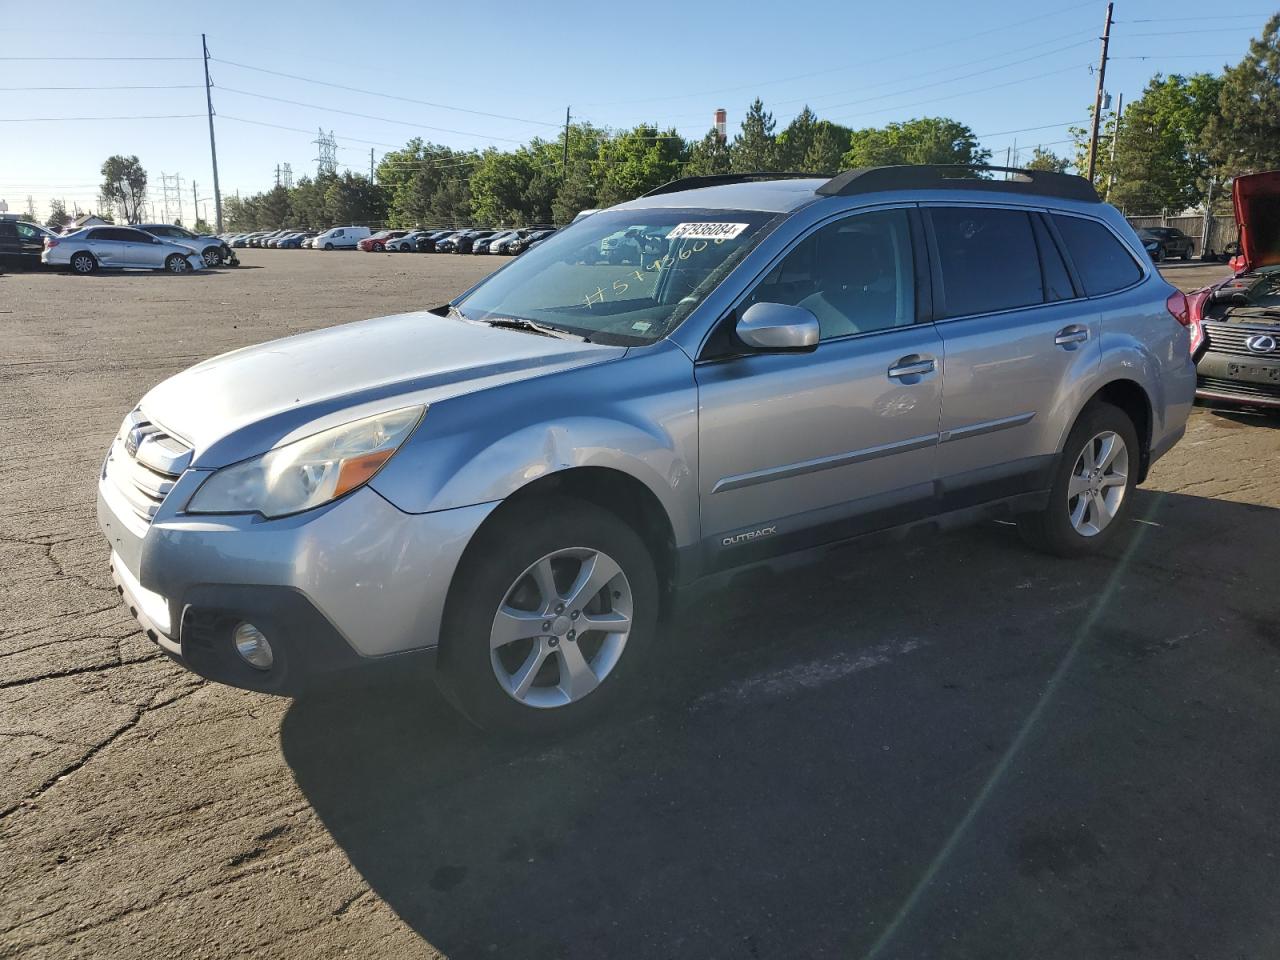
<point>213,149</point>
<point>564,160</point>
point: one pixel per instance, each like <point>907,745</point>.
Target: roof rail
<point>959,177</point>
<point>720,179</point>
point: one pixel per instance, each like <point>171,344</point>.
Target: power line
<point>96,59</point>
<point>755,85</point>
<point>163,86</point>
<point>162,116</point>
<point>367,116</point>
<point>388,96</point>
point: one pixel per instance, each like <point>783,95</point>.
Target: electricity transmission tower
<point>171,188</point>
<point>286,176</point>
<point>327,147</point>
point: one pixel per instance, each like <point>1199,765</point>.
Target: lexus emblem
<point>1262,343</point>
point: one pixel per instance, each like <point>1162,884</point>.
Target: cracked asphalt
<point>946,746</point>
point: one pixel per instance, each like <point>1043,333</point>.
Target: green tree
<point>754,148</point>
<point>124,185</point>
<point>796,140</point>
<point>58,216</point>
<point>1042,159</point>
<point>201,227</point>
<point>351,198</point>
<point>636,161</point>
<point>1243,135</point>
<point>1158,163</point>
<point>708,156</point>
<point>1080,147</point>
<point>826,153</point>
<point>275,208</point>
<point>927,140</point>
<point>499,187</point>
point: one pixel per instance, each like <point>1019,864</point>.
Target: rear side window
<point>1057,282</point>
<point>1101,260</point>
<point>988,259</point>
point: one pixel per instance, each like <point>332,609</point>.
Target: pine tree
<point>708,156</point>
<point>755,149</point>
<point>1243,136</point>
<point>797,139</point>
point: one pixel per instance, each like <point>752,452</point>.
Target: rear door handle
<point>913,365</point>
<point>1072,334</point>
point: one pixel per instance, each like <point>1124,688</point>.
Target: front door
<point>804,448</point>
<point>105,245</point>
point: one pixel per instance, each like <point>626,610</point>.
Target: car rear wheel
<point>551,618</point>
<point>177,263</point>
<point>83,263</point>
<point>1090,495</point>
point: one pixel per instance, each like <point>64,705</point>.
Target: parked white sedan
<point>119,248</point>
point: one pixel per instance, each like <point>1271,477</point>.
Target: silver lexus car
<point>514,484</point>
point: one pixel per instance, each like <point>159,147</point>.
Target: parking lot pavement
<point>942,747</point>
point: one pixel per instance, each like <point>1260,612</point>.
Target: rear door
<point>9,246</point>
<point>802,448</point>
<point>1019,340</point>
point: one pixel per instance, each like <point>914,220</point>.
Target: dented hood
<point>1257,202</point>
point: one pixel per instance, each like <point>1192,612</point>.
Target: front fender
<point>637,415</point>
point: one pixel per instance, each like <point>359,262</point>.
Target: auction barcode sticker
<point>706,231</point>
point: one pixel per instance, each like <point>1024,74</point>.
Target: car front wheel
<point>1092,485</point>
<point>553,613</point>
<point>212,257</point>
<point>177,263</point>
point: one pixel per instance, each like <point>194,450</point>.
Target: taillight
<point>1189,311</point>
<point>50,243</point>
<point>1177,307</point>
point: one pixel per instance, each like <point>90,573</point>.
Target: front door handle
<point>913,365</point>
<point>1072,334</point>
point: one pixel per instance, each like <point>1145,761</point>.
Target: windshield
<point>624,277</point>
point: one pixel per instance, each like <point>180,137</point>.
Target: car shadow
<point>953,742</point>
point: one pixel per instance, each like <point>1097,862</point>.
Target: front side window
<point>988,259</point>
<point>854,275</point>
<point>625,277</point>
<point>1101,260</point>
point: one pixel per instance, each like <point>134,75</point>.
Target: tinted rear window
<point>1101,259</point>
<point>988,260</point>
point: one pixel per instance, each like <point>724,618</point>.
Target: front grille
<point>1238,388</point>
<point>1229,338</point>
<point>144,463</point>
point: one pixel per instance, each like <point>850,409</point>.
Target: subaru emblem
<point>1262,343</point>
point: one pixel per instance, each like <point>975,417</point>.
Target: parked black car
<point>466,241</point>
<point>1173,243</point>
<point>21,243</point>
<point>427,242</point>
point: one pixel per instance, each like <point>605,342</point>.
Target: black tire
<point>493,564</point>
<point>177,263</point>
<point>1051,530</point>
<point>212,257</point>
<point>83,263</point>
<point>328,246</point>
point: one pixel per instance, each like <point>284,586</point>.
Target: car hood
<point>244,403</point>
<point>1257,202</point>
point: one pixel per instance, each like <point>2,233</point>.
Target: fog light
<point>252,646</point>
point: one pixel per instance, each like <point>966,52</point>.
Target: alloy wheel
<point>561,627</point>
<point>1098,483</point>
<point>82,263</point>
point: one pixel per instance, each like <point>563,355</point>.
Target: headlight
<point>309,472</point>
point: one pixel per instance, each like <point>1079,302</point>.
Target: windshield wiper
<point>519,323</point>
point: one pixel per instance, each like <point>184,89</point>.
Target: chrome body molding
<point>823,463</point>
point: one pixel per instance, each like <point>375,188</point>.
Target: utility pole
<point>564,159</point>
<point>1097,100</point>
<point>1115,137</point>
<point>195,203</point>
<point>213,149</point>
<point>371,164</point>
<point>277,174</point>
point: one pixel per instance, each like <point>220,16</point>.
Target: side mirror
<point>778,328</point>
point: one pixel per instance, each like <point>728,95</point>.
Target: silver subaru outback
<point>515,483</point>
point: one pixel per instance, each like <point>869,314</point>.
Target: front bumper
<point>333,589</point>
<point>1219,378</point>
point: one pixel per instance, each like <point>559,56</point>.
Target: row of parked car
<point>145,246</point>
<point>508,242</point>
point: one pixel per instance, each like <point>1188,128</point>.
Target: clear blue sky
<point>996,66</point>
